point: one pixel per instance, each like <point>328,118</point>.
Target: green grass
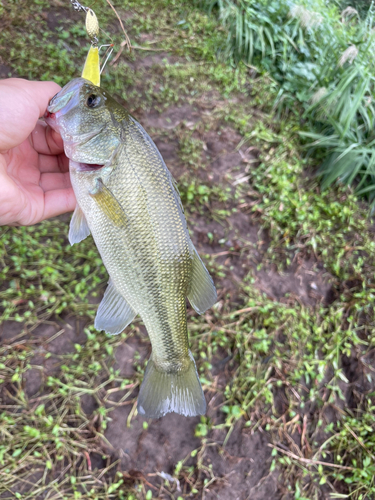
<point>51,435</point>
<point>287,359</point>
<point>319,54</point>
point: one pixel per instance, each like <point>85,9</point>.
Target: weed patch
<point>320,59</point>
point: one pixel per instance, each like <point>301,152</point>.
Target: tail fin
<point>163,392</point>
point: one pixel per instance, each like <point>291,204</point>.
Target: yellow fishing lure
<point>91,69</point>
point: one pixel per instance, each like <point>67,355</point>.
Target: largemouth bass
<point>128,200</point>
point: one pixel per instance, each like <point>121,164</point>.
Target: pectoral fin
<point>202,292</point>
<point>109,204</point>
<point>114,313</point>
<point>79,229</point>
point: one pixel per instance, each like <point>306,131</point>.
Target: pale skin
<point>34,171</point>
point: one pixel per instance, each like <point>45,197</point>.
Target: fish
<point>128,200</point>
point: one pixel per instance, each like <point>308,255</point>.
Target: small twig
<point>88,460</point>
<point>122,45</point>
<point>104,471</point>
<point>240,311</point>
<point>228,435</point>
<point>122,26</point>
<point>308,461</point>
<point>146,48</point>
<point>303,435</point>
<point>224,253</point>
<point>55,336</point>
<point>131,414</point>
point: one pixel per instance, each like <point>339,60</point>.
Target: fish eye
<point>93,101</point>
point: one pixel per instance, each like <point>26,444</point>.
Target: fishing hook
<point>108,56</point>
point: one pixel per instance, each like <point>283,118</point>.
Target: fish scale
<point>133,210</point>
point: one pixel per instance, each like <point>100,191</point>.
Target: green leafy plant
<point>322,60</point>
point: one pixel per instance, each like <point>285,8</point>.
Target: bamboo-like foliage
<point>324,59</point>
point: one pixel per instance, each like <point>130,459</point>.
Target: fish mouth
<point>59,105</point>
<point>88,167</point>
<point>50,119</point>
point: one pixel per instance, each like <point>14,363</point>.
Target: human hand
<point>34,171</point>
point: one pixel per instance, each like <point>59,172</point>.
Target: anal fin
<point>163,392</point>
<point>202,292</point>
<point>114,313</point>
<point>78,229</point>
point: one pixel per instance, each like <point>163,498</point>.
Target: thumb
<point>21,104</point>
